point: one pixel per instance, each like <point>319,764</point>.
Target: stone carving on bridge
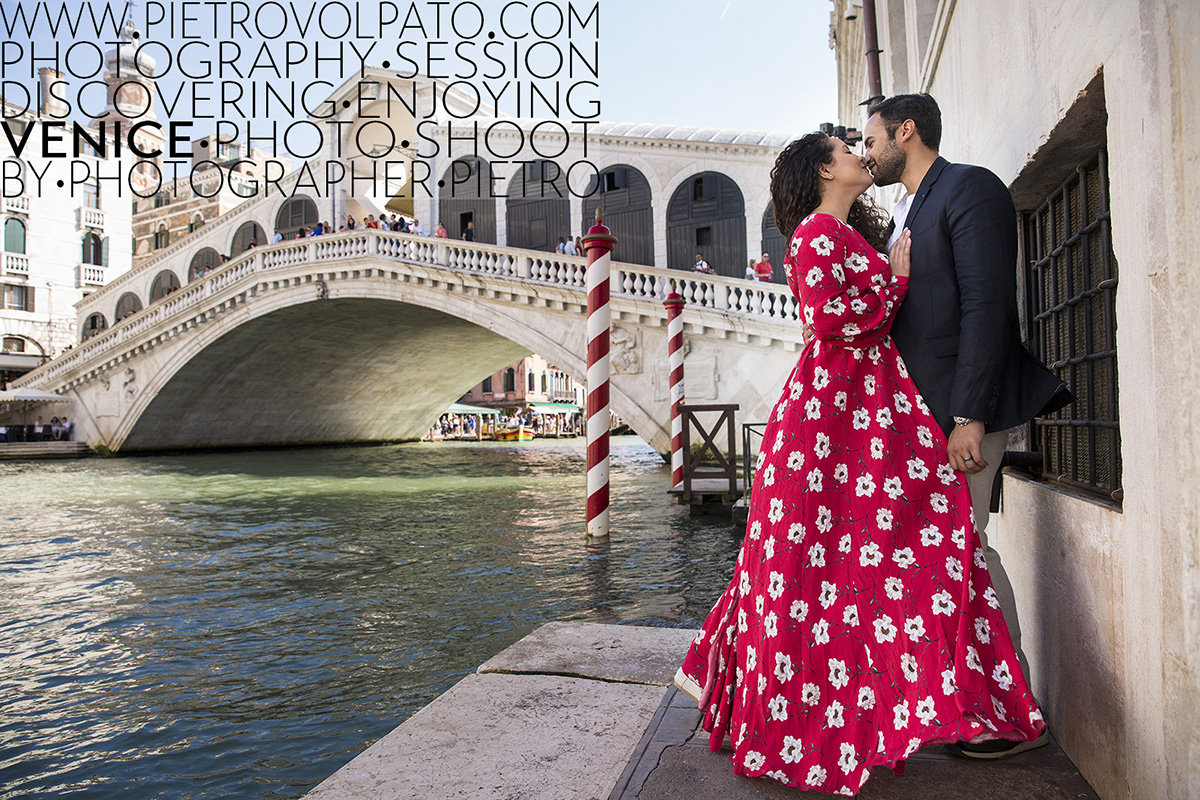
<point>625,351</point>
<point>322,290</point>
<point>129,386</point>
<point>699,379</point>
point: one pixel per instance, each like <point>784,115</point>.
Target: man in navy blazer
<point>958,330</point>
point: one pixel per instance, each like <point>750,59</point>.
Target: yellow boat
<point>515,433</point>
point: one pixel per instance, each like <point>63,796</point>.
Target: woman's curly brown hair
<point>796,191</point>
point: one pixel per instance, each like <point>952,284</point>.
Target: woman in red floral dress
<point>861,623</point>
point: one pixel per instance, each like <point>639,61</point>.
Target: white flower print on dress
<point>835,306</point>
<point>816,481</point>
<point>839,401</point>
<point>821,632</point>
<point>945,474</point>
<point>838,675</point>
<point>824,520</point>
<point>813,277</point>
<point>841,473</point>
<point>1002,676</point>
<point>983,630</point>
<point>973,659</point>
<point>953,569</point>
<point>959,537</point>
<point>816,555</point>
<point>869,555</point>
<point>771,625</point>
<point>776,512</point>
<point>866,698</point>
<point>980,561</point>
<point>778,706</point>
<point>795,389</point>
<point>850,329</point>
<point>828,595</point>
<point>762,456</point>
<point>848,760</point>
<point>877,448</point>
<point>903,405</point>
<point>893,488</point>
<point>768,549</point>
<point>883,518</point>
<point>820,378</point>
<point>901,712</point>
<point>925,438</point>
<point>844,544</point>
<point>812,409</point>
<point>810,694</point>
<point>775,585</point>
<point>822,244</point>
<point>838,273</point>
<point>856,262</point>
<point>791,752</point>
<point>795,532</point>
<point>858,306</point>
<point>816,776</point>
<point>795,460</point>
<point>833,715</point>
<point>869,384</point>
<point>866,486</point>
<point>894,588</point>
<point>938,503</point>
<point>885,631</point>
<point>861,419</point>
<point>769,476</point>
<point>931,536</point>
<point>850,616</point>
<point>751,658</point>
<point>943,603</point>
<point>990,595</point>
<point>754,761</point>
<point>908,665</point>
<point>904,557</point>
<point>917,469</point>
<point>762,683</point>
<point>821,447</point>
<point>783,667</point>
<point>949,687</point>
<point>743,621</point>
<point>926,711</point>
<point>799,610</point>
<point>758,605</point>
<point>884,417</point>
<point>755,529</point>
<point>998,708</point>
<point>914,628</point>
<point>744,583</point>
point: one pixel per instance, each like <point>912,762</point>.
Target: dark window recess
<point>1071,292</point>
<point>510,380</point>
<point>615,180</point>
<point>704,237</point>
<point>487,385</point>
<point>14,344</point>
<point>704,188</point>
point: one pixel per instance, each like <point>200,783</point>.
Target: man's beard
<point>890,170</point>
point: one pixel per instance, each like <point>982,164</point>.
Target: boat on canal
<point>515,433</point>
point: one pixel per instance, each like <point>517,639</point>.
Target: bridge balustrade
<point>710,292</point>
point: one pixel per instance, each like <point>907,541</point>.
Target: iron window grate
<point>1071,290</point>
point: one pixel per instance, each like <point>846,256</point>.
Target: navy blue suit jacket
<point>958,329</point>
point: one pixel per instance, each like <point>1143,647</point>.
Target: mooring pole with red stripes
<point>674,304</point>
<point>598,243</point>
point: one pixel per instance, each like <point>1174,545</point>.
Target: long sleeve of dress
<point>822,251</point>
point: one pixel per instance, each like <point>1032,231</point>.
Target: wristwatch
<point>963,420</point>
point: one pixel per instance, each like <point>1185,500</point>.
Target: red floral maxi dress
<point>861,623</point>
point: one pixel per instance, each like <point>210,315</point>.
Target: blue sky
<point>759,65</point>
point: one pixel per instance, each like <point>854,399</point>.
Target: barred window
<point>1071,289</point>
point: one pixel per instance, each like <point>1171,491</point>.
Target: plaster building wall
<point>1107,592</point>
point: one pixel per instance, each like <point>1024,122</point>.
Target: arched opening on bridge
<point>298,211</point>
<point>624,194</point>
<point>707,215</point>
<point>165,282</point>
<point>127,305</point>
<point>465,195</point>
<point>204,262</point>
<point>196,224</point>
<point>250,234</point>
<point>539,211</point>
<point>93,325</point>
<point>773,244</point>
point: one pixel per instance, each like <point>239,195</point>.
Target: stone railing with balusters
<point>15,264</point>
<point>711,292</point>
<point>90,275</point>
<point>91,218</point>
<point>16,205</point>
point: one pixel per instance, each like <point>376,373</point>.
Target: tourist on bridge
<point>751,272</point>
<point>569,247</point>
<point>764,271</point>
<point>468,234</point>
<point>701,265</point>
<point>277,237</point>
<point>579,246</point>
<point>441,232</point>
<point>861,623</point>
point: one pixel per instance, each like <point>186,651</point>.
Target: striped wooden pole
<point>674,304</point>
<point>598,243</point>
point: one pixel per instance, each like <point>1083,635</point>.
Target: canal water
<point>240,625</point>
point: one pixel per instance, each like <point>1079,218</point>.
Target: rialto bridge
<point>369,335</point>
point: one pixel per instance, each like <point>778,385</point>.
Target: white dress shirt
<point>899,216</point>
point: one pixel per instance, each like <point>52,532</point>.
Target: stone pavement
<point>580,710</point>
